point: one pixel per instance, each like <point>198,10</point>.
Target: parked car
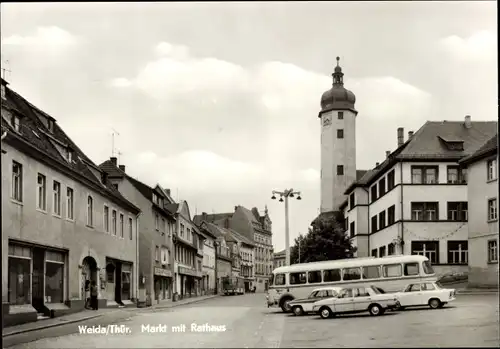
<point>304,305</point>
<point>425,293</point>
<point>356,300</point>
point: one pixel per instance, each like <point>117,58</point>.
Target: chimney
<point>410,134</point>
<point>113,160</point>
<point>235,208</point>
<point>401,137</point>
<point>377,163</point>
<point>122,167</point>
<point>168,191</point>
<point>204,215</point>
<point>467,123</point>
<point>387,153</point>
<point>104,177</point>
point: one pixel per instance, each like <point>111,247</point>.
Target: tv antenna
<point>113,133</point>
<point>4,70</point>
<point>118,152</point>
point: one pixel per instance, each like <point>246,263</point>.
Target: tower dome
<point>338,97</point>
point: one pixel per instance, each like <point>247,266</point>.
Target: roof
<point>211,217</point>
<point>240,237</point>
<point>36,138</point>
<point>219,231</point>
<point>280,253</point>
<point>428,143</point>
<point>490,147</point>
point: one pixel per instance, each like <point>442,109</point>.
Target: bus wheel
<point>285,304</point>
<point>297,310</point>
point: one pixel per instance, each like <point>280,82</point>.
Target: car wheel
<point>325,313</point>
<point>434,303</point>
<point>375,310</point>
<point>285,305</point>
<point>297,310</point>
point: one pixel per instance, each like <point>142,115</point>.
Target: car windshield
<point>377,290</point>
<point>438,285</point>
<point>313,294</point>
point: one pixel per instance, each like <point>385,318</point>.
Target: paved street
<point>471,321</point>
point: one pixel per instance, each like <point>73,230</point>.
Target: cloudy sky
<point>219,101</point>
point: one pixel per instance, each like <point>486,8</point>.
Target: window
<point>429,249</point>
<point>391,215</point>
<point>130,228</point>
<point>57,198</point>
<point>314,277</point>
<point>122,222</point>
<point>371,272</point>
<point>492,209</point>
<point>390,180</point>
<point>361,292</point>
<point>69,203</point>
<point>90,211</point>
<point>352,229</point>
<point>381,220</point>
<point>182,230</point>
<point>163,224</point>
<point>374,224</point>
<point>411,269</point>
<point>373,193</point>
<point>413,288</point>
<point>424,211</point>
<point>391,270</point>
<point>340,170</point>
<point>15,123</point>
<point>352,274</point>
<point>381,187</point>
<point>279,279</point>
<point>113,222</point>
<point>456,175</point>
<point>41,193</point>
<point>424,174</point>
<point>157,222</point>
<point>427,267</point>
<point>457,252</point>
<point>351,200</point>
<point>297,278</point>
<point>458,211</point>
<point>428,287</point>
<point>374,252</point>
<point>17,181</point>
<point>106,219</point>
<point>391,249</point>
<point>115,185</point>
<point>331,275</point>
<point>51,125</point>
<point>157,253</point>
<point>381,251</point>
<point>346,224</point>
<point>491,170</point>
<point>492,251</point>
<point>345,293</point>
<point>341,115</point>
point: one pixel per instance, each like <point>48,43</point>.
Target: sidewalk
<point>91,314</point>
<point>478,291</point>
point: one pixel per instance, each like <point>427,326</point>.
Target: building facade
<point>187,265</point>
<point>209,263</point>
<point>245,250</point>
<point>482,194</point>
<point>155,233</point>
<point>415,201</point>
<point>53,221</point>
<point>279,259</point>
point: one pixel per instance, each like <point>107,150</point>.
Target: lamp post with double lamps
<point>287,193</point>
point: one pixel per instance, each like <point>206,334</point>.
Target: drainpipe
<point>401,204</point>
<point>137,276</point>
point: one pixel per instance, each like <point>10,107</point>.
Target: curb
<point>477,293</point>
<point>62,323</point>
<point>175,304</point>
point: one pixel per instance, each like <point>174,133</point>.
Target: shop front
<point>162,284</point>
<point>189,280</point>
<point>116,281</point>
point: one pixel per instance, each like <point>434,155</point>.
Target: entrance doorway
<point>38,284</point>
<point>118,283</point>
<point>89,273</point>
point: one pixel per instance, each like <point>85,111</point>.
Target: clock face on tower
<point>327,121</point>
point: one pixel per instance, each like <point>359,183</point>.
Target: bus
<point>390,273</point>
<point>232,285</point>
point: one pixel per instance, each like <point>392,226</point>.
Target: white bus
<point>390,273</point>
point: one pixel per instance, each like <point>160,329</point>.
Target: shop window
<point>19,280</point>
<point>110,273</point>
<point>54,282</point>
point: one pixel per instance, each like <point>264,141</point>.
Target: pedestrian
<point>93,296</point>
<point>88,305</point>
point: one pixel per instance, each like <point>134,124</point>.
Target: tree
<point>326,240</point>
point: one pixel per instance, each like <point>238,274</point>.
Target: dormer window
<point>3,92</point>
<point>15,123</point>
<point>452,144</point>
<point>50,125</point>
<point>69,155</point>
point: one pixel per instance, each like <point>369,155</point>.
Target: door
<point>362,299</point>
<point>118,283</point>
<point>38,286</point>
<point>345,302</point>
<point>411,295</point>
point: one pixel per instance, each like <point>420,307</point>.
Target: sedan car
<point>356,300</point>
<point>425,293</point>
<point>305,305</point>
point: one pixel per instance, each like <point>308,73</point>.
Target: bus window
<point>428,269</point>
<point>271,281</point>
<point>279,280</point>
<point>352,274</point>
<point>314,277</point>
<point>392,270</point>
<point>371,272</point>
<point>411,269</point>
<point>331,275</point>
<point>297,278</point>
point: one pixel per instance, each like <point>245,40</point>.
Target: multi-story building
<point>415,201</point>
<point>188,251</point>
<point>279,259</point>
<point>155,233</point>
<point>209,262</point>
<point>257,227</point>
<point>482,195</point>
<point>54,221</point>
<point>246,253</point>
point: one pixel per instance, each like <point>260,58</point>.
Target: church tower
<point>338,142</point>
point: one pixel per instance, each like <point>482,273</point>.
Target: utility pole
<point>287,193</point>
<point>299,249</point>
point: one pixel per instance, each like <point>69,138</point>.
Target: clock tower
<point>338,142</point>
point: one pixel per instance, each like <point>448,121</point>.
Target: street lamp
<point>287,193</point>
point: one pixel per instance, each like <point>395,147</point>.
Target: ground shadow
<point>426,307</point>
<point>359,316</point>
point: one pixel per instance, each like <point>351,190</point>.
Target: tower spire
<point>338,76</point>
